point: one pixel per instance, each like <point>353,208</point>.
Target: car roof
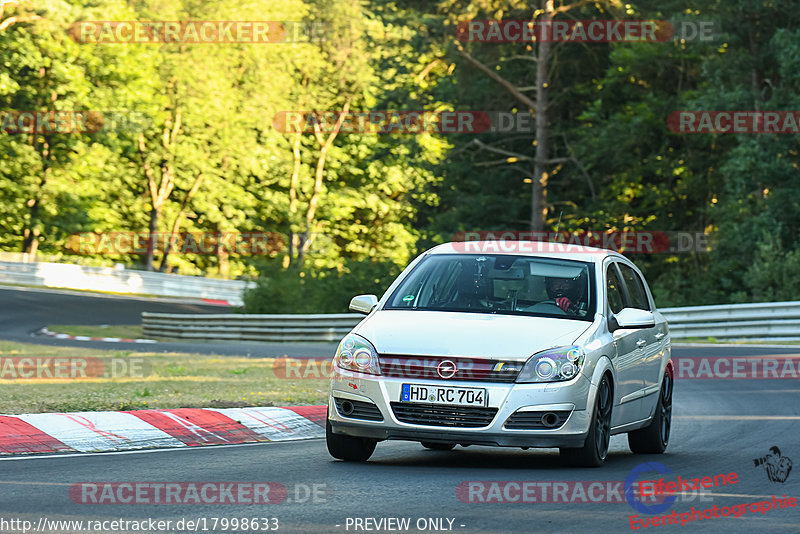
<point>527,248</point>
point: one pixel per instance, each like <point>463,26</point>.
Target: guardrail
<point>69,276</point>
<point>250,327</point>
<point>779,321</point>
<point>773,320</point>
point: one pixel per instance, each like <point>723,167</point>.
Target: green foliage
<point>317,291</point>
<point>774,274</point>
<point>383,198</point>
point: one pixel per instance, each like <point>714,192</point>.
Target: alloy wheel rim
<point>666,409</point>
<point>603,420</point>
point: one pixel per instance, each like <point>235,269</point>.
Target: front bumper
<point>573,396</point>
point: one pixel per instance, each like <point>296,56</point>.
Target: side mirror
<point>363,303</point>
<point>634,318</point>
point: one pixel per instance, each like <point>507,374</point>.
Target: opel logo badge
<point>446,369</point>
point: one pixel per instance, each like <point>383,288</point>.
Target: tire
<point>438,446</point>
<point>654,438</point>
<point>595,449</point>
<point>348,448</point>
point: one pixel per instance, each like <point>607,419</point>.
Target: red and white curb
<point>143,429</point>
<point>45,332</point>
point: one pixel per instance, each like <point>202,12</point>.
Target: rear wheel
<point>595,449</point>
<point>348,448</point>
<point>438,446</point>
<point>654,438</point>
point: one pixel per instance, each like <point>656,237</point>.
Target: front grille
<point>533,420</point>
<point>469,369</point>
<point>361,410</point>
<point>437,415</point>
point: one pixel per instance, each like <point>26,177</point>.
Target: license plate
<point>444,395</point>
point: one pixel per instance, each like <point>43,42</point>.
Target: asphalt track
<point>720,426</point>
<point>710,437</point>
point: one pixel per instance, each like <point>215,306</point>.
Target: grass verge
<point>158,380</point>
<point>125,331</point>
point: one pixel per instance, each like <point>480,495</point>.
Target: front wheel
<point>348,448</point>
<point>595,449</point>
<point>654,438</point>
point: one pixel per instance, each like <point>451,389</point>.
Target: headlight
<point>553,365</point>
<point>357,354</point>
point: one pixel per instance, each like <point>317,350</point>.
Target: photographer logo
<point>777,466</point>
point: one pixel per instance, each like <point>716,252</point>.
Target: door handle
<point>641,343</point>
<point>660,336</point>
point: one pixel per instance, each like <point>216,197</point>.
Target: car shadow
<point>490,458</point>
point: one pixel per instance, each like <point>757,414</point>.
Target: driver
<point>565,292</point>
<point>473,289</point>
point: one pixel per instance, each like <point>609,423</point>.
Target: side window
<point>614,290</point>
<point>635,287</point>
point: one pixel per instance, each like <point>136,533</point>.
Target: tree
<point>49,73</point>
<point>543,57</point>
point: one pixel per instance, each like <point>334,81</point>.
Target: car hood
<point>473,335</point>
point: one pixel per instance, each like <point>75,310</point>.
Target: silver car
<point>506,344</point>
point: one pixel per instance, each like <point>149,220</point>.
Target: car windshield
<point>517,285</point>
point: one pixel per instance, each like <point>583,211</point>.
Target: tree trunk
<point>160,189</point>
<point>30,243</point>
<point>301,248</point>
<point>222,257</point>
<point>151,239</point>
<point>540,176</point>
<point>319,175</point>
<point>176,224</point>
<point>293,184</point>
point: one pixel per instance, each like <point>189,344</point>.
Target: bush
<point>279,290</point>
<point>774,274</point>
